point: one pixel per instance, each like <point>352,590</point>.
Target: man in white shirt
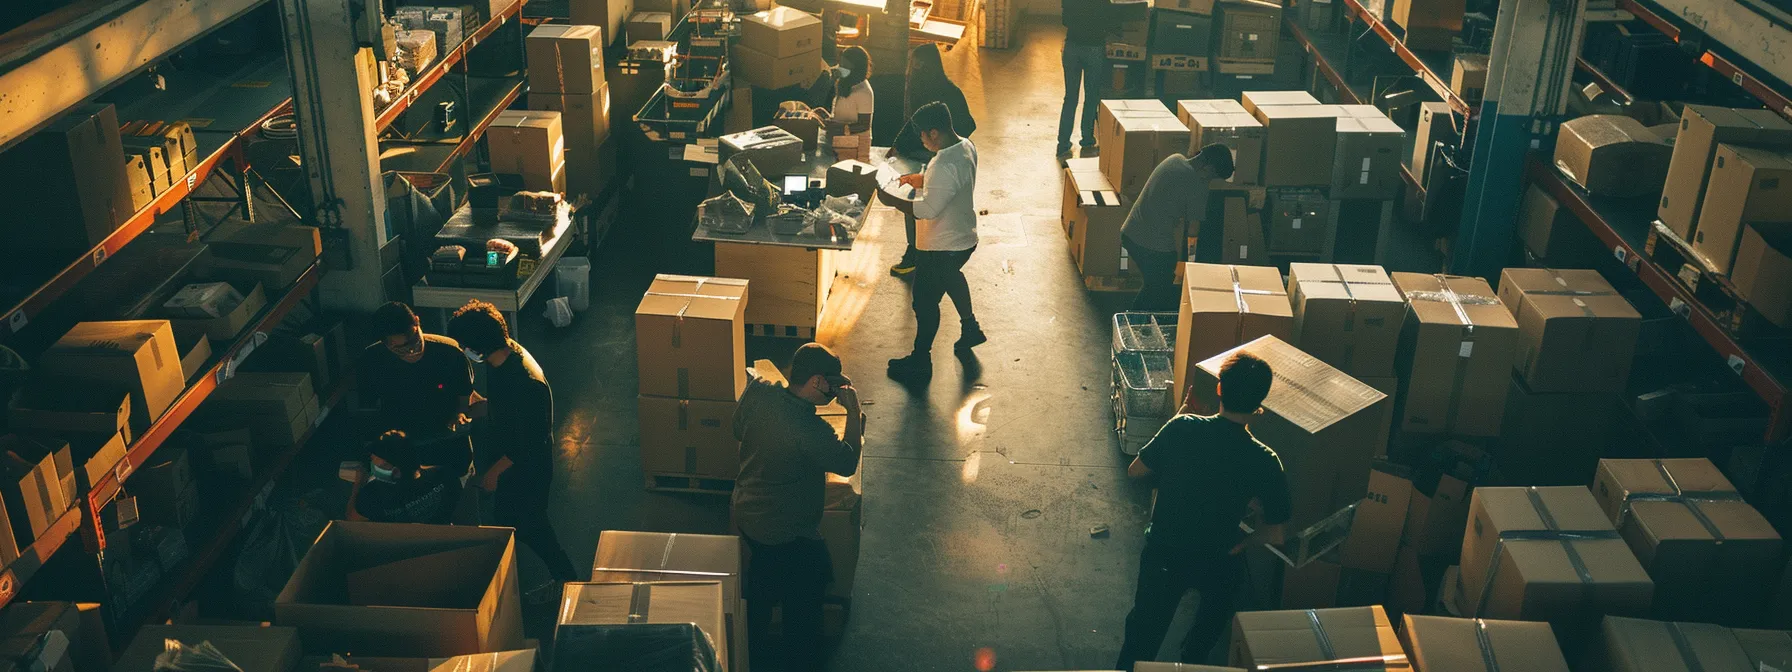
<point>945,237</point>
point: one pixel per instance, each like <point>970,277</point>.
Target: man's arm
<point>1172,433</point>
<point>1272,494</point>
<point>1138,469</point>
<point>839,454</point>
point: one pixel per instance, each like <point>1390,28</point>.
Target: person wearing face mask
<point>786,453</point>
<point>396,489</point>
<point>945,213</point>
<point>420,384</point>
<point>521,412</point>
<point>849,118</point>
<point>927,83</point>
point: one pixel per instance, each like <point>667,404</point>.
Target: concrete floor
<point>982,489</point>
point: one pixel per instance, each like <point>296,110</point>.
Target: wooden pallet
<point>776,331</point>
<point>1109,283</point>
<point>688,483</point>
<point>1698,275</point>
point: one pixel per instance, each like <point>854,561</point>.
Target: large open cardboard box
<point>406,590</point>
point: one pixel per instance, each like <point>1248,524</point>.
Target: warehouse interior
<point>1522,270</point>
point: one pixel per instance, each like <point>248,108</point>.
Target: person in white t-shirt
<point>945,237</point>
<point>849,119</point>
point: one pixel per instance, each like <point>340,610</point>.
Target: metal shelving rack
<point>219,148</point>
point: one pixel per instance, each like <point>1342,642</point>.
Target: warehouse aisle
<point>997,511</point>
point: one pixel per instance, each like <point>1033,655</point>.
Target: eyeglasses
<point>412,345</point>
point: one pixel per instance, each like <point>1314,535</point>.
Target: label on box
<point>1296,223</point>
<point>1467,348</point>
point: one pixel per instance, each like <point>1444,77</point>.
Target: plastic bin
<point>572,279</point>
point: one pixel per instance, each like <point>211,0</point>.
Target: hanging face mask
<point>842,72</point>
<point>473,355</point>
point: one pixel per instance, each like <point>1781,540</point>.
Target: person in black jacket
<point>521,413</point>
<point>1086,27</point>
<point>927,83</point>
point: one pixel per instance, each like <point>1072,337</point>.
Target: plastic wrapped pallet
<point>416,50</point>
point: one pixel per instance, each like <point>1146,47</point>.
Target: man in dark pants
<point>1086,27</point>
<point>420,384</point>
<point>1208,470</point>
<point>786,453</point>
<point>521,410</point>
<point>945,236</point>
<point>1174,196</point>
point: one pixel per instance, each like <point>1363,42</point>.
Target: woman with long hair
<point>849,118</point>
<point>927,83</point>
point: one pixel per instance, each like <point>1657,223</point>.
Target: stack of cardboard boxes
<point>566,75</point>
<point>1180,45</point>
<point>1170,46</point>
<point>778,48</point>
<point>691,338</point>
<point>81,194</point>
<point>531,145</point>
<point>701,573</point>
<point>1093,211</point>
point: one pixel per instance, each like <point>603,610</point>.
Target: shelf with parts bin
<point>445,61</point>
<point>1624,227</point>
<point>1772,95</point>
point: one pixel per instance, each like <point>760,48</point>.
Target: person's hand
<point>460,423</point>
<point>912,180</point>
<point>488,481</point>
<point>848,398</point>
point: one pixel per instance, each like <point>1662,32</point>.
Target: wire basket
<point>1142,382</point>
<point>1150,332</point>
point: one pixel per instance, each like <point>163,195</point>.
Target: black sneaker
<point>915,366</point>
<point>1087,151</point>
<point>970,338</point>
<point>1063,152</point>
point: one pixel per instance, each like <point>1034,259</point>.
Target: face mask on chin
<point>473,355</point>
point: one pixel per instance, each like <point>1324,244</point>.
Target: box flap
<point>421,581</point>
<point>1306,392</point>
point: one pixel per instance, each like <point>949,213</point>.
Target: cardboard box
<point>278,408</point>
<point>1300,143</point>
<point>585,124</point>
<point>1367,161</point>
<point>165,489</point>
<point>691,335</point>
<point>644,26</point>
<point>406,590</point>
<point>138,357</point>
<point>606,14</point>
<point>1548,231</point>
<point>1747,185</point>
<point>503,661</point>
<point>275,255</point>
<point>1440,644</point>
<point>1175,32</point>
<point>1242,236</point>
<point>1468,77</point>
<point>1252,101</point>
<point>155,165</point>
<point>1322,423</point>
<point>1347,315</point>
<point>66,630</point>
<point>780,32</point>
<point>690,437</point>
<point>79,194</point>
<point>1201,7</point>
<point>1554,438</point>
<point>1247,30</point>
<point>1763,270</point>
<point>1225,306</point>
<point>1701,129</point>
<point>1134,139</point>
<point>136,177</point>
<point>655,556</point>
<point>1145,666</point>
<point>179,149</point>
<point>1286,638</point>
<point>251,648</point>
<point>1519,561</point>
<point>1430,25</point>
<point>775,72</point>
<point>1093,212</point>
<point>233,319</point>
<point>774,151</point>
<point>616,607</point>
<point>99,455</point>
<point>1612,155</point>
<point>1766,649</point>
<point>31,486</point>
<point>1576,333</point>
<point>529,143</point>
<point>1708,551</point>
<point>1637,645</point>
<point>1186,109</point>
<point>1456,347</point>
<point>1238,131</point>
<point>1436,124</point>
<point>60,408</point>
<point>842,524</point>
<point>1299,222</point>
<point>1380,521</point>
<point>565,59</point>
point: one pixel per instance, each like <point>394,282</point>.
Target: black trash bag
<point>178,657</point>
<point>267,559</point>
<point>636,647</point>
